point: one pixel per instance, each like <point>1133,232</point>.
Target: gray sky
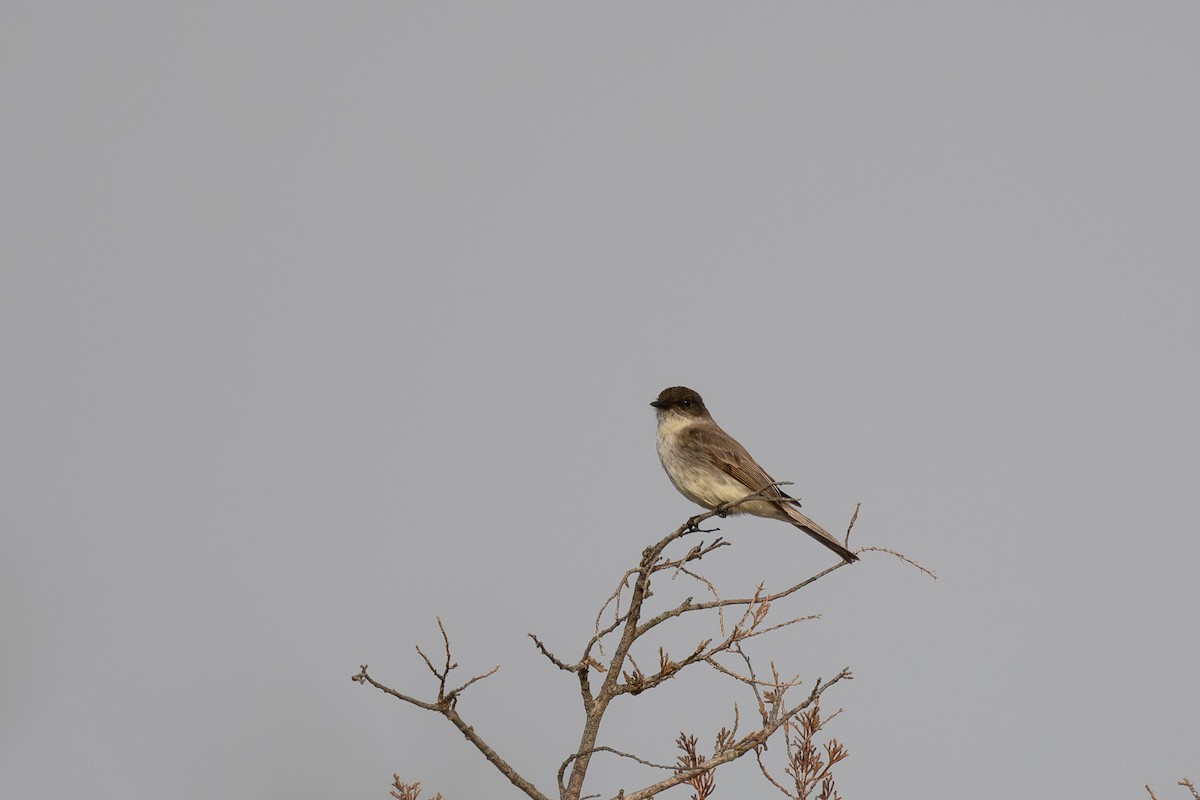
<point>321,320</point>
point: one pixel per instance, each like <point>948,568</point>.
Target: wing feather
<point>727,454</point>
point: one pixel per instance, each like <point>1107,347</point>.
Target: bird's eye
<point>686,404</point>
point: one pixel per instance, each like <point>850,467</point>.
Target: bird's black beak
<point>660,404</point>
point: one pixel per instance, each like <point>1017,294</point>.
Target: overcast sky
<point>320,320</point>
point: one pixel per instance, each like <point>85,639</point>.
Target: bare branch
<point>902,557</point>
<point>428,663</point>
<point>446,708</point>
<point>613,599</point>
<point>553,659</point>
<point>445,644</point>
<point>1186,782</point>
<point>767,774</point>
<point>605,749</point>
<point>595,706</point>
<point>750,681</point>
<point>453,693</point>
<point>689,606</point>
<point>641,761</point>
<point>850,527</point>
<point>695,554</point>
<point>746,627</point>
<point>445,705</point>
<point>737,648</point>
<point>793,621</point>
<point>712,590</point>
<point>363,677</point>
<point>491,755</point>
<point>563,768</point>
<point>690,526</point>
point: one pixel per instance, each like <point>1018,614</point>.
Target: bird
<point>711,468</point>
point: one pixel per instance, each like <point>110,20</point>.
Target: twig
<point>605,749</point>
<point>850,527</point>
<point>615,597</point>
<point>902,557</point>
<point>553,659</point>
<point>749,681</point>
<point>713,590</point>
<point>363,677</point>
<point>767,774</point>
<point>752,634</point>
<point>453,693</point>
<point>666,615</point>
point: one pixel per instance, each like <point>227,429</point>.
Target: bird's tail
<point>820,534</point>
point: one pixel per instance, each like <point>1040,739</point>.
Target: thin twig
<point>752,634</point>
<point>615,597</point>
<point>666,615</point>
<point>459,690</point>
<point>850,527</point>
<point>749,681</point>
<point>363,677</point>
<point>902,557</point>
<point>553,659</point>
<point>605,749</point>
<point>712,590</point>
<point>766,774</point>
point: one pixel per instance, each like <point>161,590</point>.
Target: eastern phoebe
<point>710,468</point>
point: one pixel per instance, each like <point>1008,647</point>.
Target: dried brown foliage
<point>809,766</point>
<point>408,791</point>
<point>703,781</point>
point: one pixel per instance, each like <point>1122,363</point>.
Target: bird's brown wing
<point>727,454</point>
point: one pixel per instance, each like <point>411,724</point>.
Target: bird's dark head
<point>680,400</point>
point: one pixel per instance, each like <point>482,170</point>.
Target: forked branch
<point>445,704</point>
